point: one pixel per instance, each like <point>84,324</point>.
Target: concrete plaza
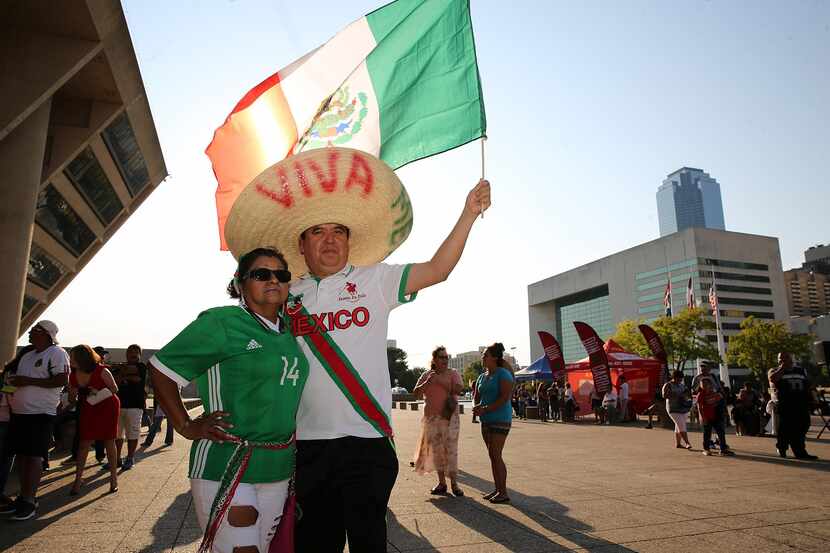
<point>573,487</point>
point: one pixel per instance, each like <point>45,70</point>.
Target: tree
<point>759,342</point>
<point>683,339</point>
<point>471,372</point>
<point>629,337</point>
<point>399,372</point>
<point>682,336</point>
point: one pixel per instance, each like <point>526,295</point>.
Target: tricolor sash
<point>342,372</point>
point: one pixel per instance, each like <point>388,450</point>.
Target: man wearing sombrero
<point>335,214</point>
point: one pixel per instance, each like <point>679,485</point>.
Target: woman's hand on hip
<point>208,426</point>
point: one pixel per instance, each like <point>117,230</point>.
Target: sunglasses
<point>264,275</point>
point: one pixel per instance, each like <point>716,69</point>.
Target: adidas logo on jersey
<point>253,344</point>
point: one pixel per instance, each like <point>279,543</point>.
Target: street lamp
<point>513,354</point>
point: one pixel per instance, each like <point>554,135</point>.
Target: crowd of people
<point>48,392</point>
<point>554,401</point>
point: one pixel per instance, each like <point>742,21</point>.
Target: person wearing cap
<point>250,374</point>
<point>41,375</point>
<point>336,213</point>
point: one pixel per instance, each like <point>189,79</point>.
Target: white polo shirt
<point>353,307</point>
<point>34,400</point>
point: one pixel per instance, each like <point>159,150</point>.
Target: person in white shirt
<point>339,310</point>
<point>41,374</point>
<point>609,405</point>
<point>623,385</point>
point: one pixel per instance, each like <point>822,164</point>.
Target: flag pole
<point>724,368</point>
<point>483,140</point>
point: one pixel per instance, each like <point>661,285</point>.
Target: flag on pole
<point>691,301</point>
<point>553,353</point>
<point>667,299</point>
<point>597,358</point>
<point>655,344</point>
<point>401,83</point>
<point>713,298</point>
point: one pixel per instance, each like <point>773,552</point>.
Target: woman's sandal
<point>440,489</point>
<point>499,499</point>
<point>457,492</point>
<point>487,496</point>
<point>74,490</point>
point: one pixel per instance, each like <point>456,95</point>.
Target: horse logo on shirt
<point>351,289</point>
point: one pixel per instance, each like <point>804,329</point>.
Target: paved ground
<point>573,487</point>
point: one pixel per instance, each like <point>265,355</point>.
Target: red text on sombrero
<point>296,181</point>
<point>302,325</point>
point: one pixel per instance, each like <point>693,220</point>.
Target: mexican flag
<point>401,83</point>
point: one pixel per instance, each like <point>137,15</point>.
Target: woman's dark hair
<point>497,350</point>
<point>245,263</point>
<point>86,357</point>
<point>676,373</point>
<point>435,353</point>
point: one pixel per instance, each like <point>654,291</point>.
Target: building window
<point>677,278</point>
<point>123,147</point>
<point>90,180</point>
<point>733,264</point>
<point>58,218</point>
<point>590,307</point>
<point>28,303</point>
<point>43,270</point>
<point>736,276</point>
<point>744,301</point>
<point>741,289</point>
<point>664,270</point>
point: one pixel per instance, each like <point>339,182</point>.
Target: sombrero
<point>327,185</point>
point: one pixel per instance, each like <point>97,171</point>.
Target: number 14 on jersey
<point>291,374</point>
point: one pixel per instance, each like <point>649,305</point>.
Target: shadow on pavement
<point>491,522</point>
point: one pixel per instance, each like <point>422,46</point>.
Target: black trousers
<point>793,424</point>
<point>343,488</point>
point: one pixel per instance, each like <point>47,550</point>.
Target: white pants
<point>268,499</point>
<point>679,422</point>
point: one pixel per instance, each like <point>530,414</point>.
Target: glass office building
<point>630,285</point>
<point>689,198</point>
<point>590,307</point>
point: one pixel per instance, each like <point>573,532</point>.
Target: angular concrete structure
<point>78,147</point>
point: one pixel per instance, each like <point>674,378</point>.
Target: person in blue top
<point>492,404</point>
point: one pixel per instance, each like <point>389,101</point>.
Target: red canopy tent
<point>642,374</point>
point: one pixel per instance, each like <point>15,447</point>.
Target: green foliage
<point>759,342</point>
<point>682,336</point>
<point>629,337</point>
<point>399,369</point>
<point>471,372</point>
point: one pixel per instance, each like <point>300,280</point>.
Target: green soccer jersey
<point>249,370</point>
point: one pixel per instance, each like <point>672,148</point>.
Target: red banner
<point>596,356</point>
<point>553,353</point>
<point>655,344</point>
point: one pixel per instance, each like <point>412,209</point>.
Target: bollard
<point>413,406</point>
<point>460,409</point>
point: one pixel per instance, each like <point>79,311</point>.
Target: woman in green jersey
<point>250,375</point>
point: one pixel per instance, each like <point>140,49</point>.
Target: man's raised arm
<point>437,269</point>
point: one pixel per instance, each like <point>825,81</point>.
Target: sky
<point>589,106</point>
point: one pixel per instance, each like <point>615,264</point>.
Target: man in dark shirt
<point>131,378</point>
<point>791,390</point>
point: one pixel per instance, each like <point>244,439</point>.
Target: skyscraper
<point>689,198</point>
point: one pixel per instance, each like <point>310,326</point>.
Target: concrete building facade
<point>79,150</point>
<point>689,198</point>
<point>808,293</point>
<point>631,285</point>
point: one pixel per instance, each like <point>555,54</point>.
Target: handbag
<point>449,407</point>
<point>99,396</point>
